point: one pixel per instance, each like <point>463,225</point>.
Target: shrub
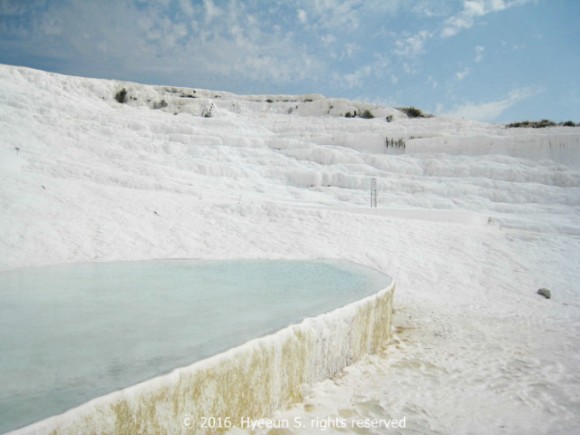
<point>412,112</point>
<point>532,124</point>
<point>545,123</point>
<point>518,124</point>
<point>389,118</point>
<point>121,96</point>
<point>367,114</point>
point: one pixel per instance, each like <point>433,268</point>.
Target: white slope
<point>472,220</point>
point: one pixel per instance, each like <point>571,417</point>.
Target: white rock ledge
<point>247,382</point>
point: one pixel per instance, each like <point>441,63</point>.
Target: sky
<point>496,61</point>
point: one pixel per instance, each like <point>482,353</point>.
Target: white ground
<point>472,220</point>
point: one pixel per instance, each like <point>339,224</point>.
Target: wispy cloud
<point>479,53</point>
<point>378,68</point>
<point>181,40</point>
<point>13,7</point>
<point>356,79</point>
<point>428,8</point>
<point>205,41</point>
<point>460,75</point>
<point>328,39</point>
<point>327,14</point>
<point>472,9</point>
<point>349,50</point>
<point>187,8</point>
<point>302,16</point>
<point>490,111</point>
<point>412,45</point>
<point>211,11</point>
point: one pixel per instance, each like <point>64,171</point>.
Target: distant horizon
<point>496,61</point>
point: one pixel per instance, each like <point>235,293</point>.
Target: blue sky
<point>490,60</point>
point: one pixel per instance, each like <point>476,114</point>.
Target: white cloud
<point>345,15</point>
<point>329,14</point>
<point>429,8</point>
<point>357,78</point>
<point>473,9</point>
<point>217,41</point>
<point>15,7</point>
<point>413,45</point>
<point>349,50</point>
<point>187,8</point>
<point>211,11</point>
<point>460,75</point>
<point>488,112</point>
<point>379,68</point>
<point>479,53</point>
<point>328,39</point>
<point>432,82</point>
<point>174,42</point>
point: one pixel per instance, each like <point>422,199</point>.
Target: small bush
<point>532,124</point>
<point>389,118</point>
<point>519,124</point>
<point>367,114</point>
<point>121,96</point>
<point>568,124</point>
<point>545,123</point>
<point>269,100</point>
<point>412,112</point>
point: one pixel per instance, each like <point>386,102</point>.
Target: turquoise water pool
<point>71,333</point>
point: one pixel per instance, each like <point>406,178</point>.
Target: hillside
<point>471,220</point>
